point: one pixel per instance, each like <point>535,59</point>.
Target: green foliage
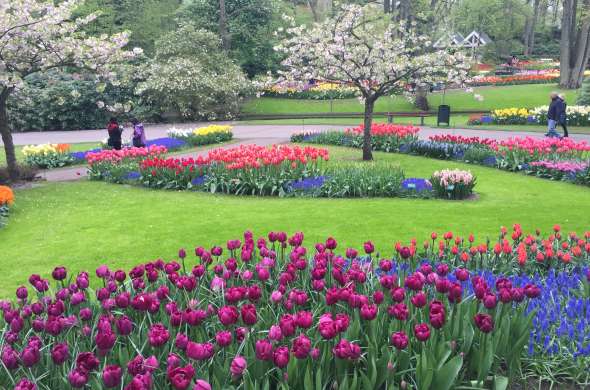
<point>502,20</point>
<point>191,75</point>
<point>147,20</point>
<point>49,160</point>
<point>251,25</point>
<point>368,180</point>
<point>584,95</point>
<point>67,101</point>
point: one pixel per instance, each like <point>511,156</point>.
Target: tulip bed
<point>255,170</point>
<point>453,184</point>
<point>556,159</point>
<point>386,137</point>
<point>548,77</point>
<point>212,134</point>
<point>317,91</point>
<point>48,155</point>
<point>115,165</point>
<point>271,313</point>
<point>575,115</point>
<point>6,200</point>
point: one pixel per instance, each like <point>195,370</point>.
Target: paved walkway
<point>249,132</point>
<point>243,135</point>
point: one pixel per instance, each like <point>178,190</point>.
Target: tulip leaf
<point>446,375</point>
<point>318,379</point>
<point>373,372</point>
<point>468,334</point>
<point>500,382</point>
<point>354,383</point>
<point>443,356</point>
<point>307,383</point>
<point>487,358</point>
<point>366,381</point>
<point>344,384</point>
<point>424,372</point>
<point>292,371</point>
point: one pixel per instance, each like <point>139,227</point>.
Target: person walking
<point>563,115</point>
<point>555,110</point>
<point>138,133</point>
<point>115,132</point>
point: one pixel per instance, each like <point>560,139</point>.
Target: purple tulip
<point>30,356</point>
<point>77,378</point>
<point>10,357</point>
<point>60,353</point>
<point>124,325</point>
<point>22,293</point>
<point>200,384</point>
<point>111,376</point>
<point>59,273</point>
<point>25,384</point>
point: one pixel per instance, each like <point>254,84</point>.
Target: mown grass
<point>531,95</point>
<point>84,224</point>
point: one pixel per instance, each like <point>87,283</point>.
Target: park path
<point>262,135</point>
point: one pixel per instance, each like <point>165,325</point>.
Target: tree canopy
<point>191,75</point>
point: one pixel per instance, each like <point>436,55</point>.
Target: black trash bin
<point>444,115</point>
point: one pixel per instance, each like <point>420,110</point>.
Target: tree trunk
<point>225,39</point>
<point>367,141</point>
<point>320,9</point>
<point>575,44</point>
<point>531,24</point>
<point>405,11</point>
<point>7,136</point>
<point>421,101</point>
<point>386,6</point>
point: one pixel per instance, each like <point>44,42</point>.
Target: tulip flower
<point>77,378</point>
<point>422,332</point>
<point>200,384</point>
<point>111,376</point>
<point>25,384</point>
<point>223,338</point>
<point>484,322</point>
<point>399,340</point>
<point>60,353</point>
<point>238,365</point>
<point>301,346</point>
<point>180,377</point>
<point>158,335</point>
<point>281,356</point>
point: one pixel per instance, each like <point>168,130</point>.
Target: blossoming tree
<point>39,35</point>
<point>362,47</point>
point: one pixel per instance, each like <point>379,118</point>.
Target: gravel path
<point>243,135</point>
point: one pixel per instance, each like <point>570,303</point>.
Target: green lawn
<point>84,224</point>
<point>529,96</point>
<point>73,148</point>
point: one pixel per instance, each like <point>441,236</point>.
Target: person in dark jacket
<point>115,132</point>
<point>555,110</point>
<point>138,133</point>
<point>563,116</point>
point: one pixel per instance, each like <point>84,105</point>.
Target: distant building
<point>450,40</point>
<point>476,39</point>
